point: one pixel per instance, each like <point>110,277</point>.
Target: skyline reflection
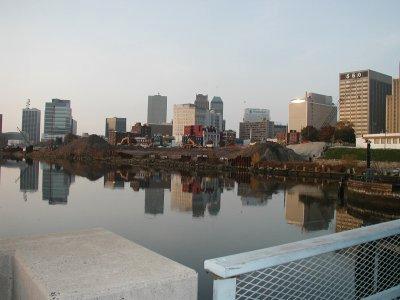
<point>311,207</point>
<point>306,206</point>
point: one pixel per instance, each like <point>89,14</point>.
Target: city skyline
<point>257,56</point>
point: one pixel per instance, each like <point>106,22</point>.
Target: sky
<point>108,56</point>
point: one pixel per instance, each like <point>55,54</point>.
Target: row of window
<point>386,140</point>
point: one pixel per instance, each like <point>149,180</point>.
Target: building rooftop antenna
<point>28,103</point>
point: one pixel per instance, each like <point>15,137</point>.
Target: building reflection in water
<point>154,185</point>
<point>306,206</point>
<point>154,193</point>
<point>196,194</point>
<point>55,184</point>
<point>181,200</point>
<point>29,177</point>
<point>256,192</point>
<point>228,184</point>
<point>153,201</point>
<point>113,180</point>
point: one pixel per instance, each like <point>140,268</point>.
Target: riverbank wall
<point>89,264</point>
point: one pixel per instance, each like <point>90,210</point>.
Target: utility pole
<point>368,154</point>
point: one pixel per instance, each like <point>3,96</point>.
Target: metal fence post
<point>224,289</point>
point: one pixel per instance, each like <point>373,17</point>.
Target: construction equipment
<point>28,145</point>
<point>125,141</point>
<point>190,144</point>
<point>24,136</point>
<point>24,194</point>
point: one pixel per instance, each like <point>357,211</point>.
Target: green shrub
<point>361,154</point>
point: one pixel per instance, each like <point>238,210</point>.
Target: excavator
<point>190,144</point>
<point>125,141</point>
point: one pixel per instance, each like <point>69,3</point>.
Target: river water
<point>187,219</point>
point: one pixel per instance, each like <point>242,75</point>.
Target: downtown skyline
<point>252,55</point>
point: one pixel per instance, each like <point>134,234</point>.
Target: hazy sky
<point>107,56</point>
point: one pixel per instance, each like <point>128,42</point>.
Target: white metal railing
<point>355,264</point>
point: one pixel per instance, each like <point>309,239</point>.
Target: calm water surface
<point>188,219</point>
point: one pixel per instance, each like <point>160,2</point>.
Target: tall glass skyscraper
<point>57,119</point>
<point>217,105</point>
<point>31,124</point>
<point>157,109</point>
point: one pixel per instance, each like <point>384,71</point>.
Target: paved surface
<point>312,149</point>
<point>90,264</point>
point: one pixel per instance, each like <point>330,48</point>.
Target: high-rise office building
<point>256,115</point>
<point>1,123</point>
<point>203,112</point>
<point>57,119</point>
<point>217,105</point>
<point>31,124</point>
<point>184,115</point>
<point>393,108</point>
<point>74,127</point>
<point>115,124</point>
<point>362,100</point>
<point>256,125</point>
<point>216,121</point>
<point>157,109</point>
<point>201,102</point>
<point>311,110</point>
<point>256,131</point>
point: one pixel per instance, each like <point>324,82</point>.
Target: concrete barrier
<point>89,264</point>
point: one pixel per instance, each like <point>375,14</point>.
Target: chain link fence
<point>352,273</point>
<point>341,267</point>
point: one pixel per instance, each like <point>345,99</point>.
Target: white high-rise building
<point>184,115</point>
<point>311,110</point>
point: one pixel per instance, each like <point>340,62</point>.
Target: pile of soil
<point>91,147</point>
<point>270,151</point>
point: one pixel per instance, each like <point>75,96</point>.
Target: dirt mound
<point>90,147</point>
<point>270,151</point>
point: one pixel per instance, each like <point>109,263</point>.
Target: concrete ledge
<point>89,264</point>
